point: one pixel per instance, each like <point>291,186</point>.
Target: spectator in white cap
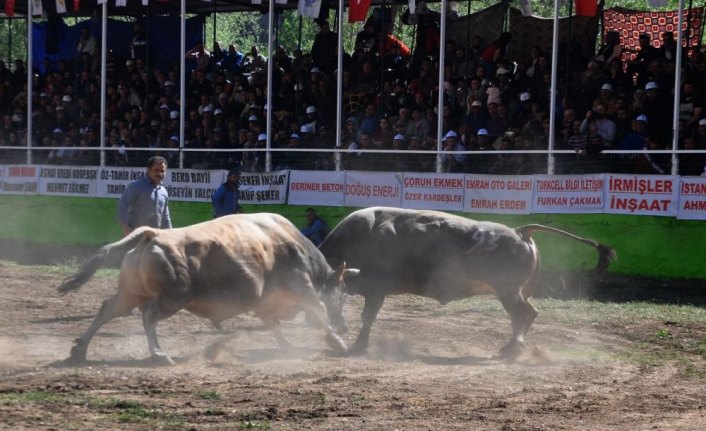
<point>700,134</point>
<point>309,125</point>
<point>477,117</point>
<point>658,109</point>
<point>607,97</point>
<point>635,140</point>
<point>454,162</point>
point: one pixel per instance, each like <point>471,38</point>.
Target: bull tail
<point>606,254</point>
<point>110,254</point>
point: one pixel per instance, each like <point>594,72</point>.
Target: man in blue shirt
<point>225,198</point>
<point>315,228</point>
<point>145,202</point>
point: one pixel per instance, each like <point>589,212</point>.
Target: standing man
<point>315,228</point>
<point>225,198</point>
<point>145,202</point>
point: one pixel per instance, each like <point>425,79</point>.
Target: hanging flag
<point>310,8</point>
<point>358,10</point>
<point>10,7</point>
<point>37,8</point>
<point>657,3</point>
<point>120,3</point>
<point>586,7</point>
<point>412,6</point>
<point>76,5</point>
<point>60,6</point>
<point>526,7</point>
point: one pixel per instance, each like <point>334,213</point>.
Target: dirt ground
<point>430,367</point>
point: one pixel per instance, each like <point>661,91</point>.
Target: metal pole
<point>468,39</point>
<point>182,81</point>
<point>552,93</point>
<point>30,81</point>
<point>104,60</point>
<point>270,65</point>
<point>339,86</point>
<point>440,98</point>
<point>677,90</point>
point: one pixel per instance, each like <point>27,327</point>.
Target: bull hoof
<point>511,351</point>
<point>358,349</point>
<point>161,358</point>
<point>336,343</point>
<point>78,352</point>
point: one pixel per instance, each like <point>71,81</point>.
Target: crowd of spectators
<point>490,102</point>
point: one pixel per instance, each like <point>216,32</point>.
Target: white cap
<point>58,130</point>
<point>262,137</point>
<point>450,134</point>
<point>525,96</point>
<point>641,118</point>
<point>398,137</point>
<point>477,103</point>
<point>315,70</point>
<point>43,95</point>
<point>306,128</point>
<point>217,111</point>
<point>252,118</point>
<point>310,109</point>
<point>174,138</point>
<point>59,108</point>
<point>502,71</point>
<point>651,86</point>
<point>482,132</point>
<point>66,98</point>
<point>207,108</point>
<point>607,86</point>
<point>174,115</point>
<point>702,122</point>
<point>168,83</point>
<point>295,136</point>
<point>163,106</point>
<point>298,87</point>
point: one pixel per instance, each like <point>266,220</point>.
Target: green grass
<point>208,395</point>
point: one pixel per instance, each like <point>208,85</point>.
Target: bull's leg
<point>111,308</point>
<point>311,302</point>
<point>372,306</point>
<point>152,313</point>
<point>274,325</point>
<point>522,313</point>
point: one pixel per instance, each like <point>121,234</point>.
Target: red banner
<point>586,7</point>
<point>358,10</point>
<point>10,7</point>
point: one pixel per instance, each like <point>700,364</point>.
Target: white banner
<point>641,194</point>
<point>263,188</point>
<point>19,179</point>
<point>317,188</point>
<point>692,198</point>
<point>498,194</point>
<point>367,189</point>
<point>68,180</point>
<point>433,191</point>
<point>568,193</point>
<point>195,185</point>
<point>112,181</point>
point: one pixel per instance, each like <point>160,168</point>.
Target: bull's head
<point>334,297</point>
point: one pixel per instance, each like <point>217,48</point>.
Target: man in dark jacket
<point>225,198</point>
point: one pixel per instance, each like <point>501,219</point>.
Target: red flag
<point>586,7</point>
<point>10,7</point>
<point>358,10</point>
<point>76,5</point>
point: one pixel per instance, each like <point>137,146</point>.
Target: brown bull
<point>442,256</point>
<point>217,270</point>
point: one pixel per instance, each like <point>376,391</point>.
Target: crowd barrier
<point>656,195</point>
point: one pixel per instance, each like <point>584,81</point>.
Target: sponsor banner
<point>316,188</point>
<point>495,194</point>
<point>692,198</point>
<point>367,189</point>
<point>568,193</point>
<point>19,179</point>
<point>433,191</point>
<point>112,180</point>
<point>194,185</point>
<point>641,194</point>
<point>261,188</point>
<point>68,180</point>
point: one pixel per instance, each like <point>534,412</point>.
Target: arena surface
<point>430,367</point>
